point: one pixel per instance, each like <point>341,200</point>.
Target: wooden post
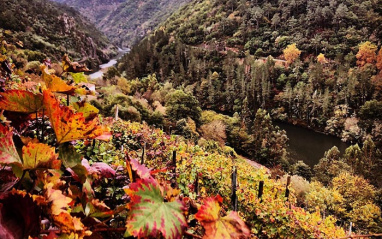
<point>67,100</point>
<point>173,180</point>
<point>169,130</point>
<point>287,188</point>
<point>143,154</point>
<point>116,113</point>
<point>234,186</point>
<point>261,189</point>
<point>350,229</point>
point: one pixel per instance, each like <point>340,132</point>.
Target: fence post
<point>261,189</point>
<point>197,184</point>
<point>143,154</point>
<point>234,185</point>
<point>287,188</point>
<point>173,180</point>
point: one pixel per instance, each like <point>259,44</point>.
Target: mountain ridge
<point>125,22</point>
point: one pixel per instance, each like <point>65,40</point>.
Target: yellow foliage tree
<point>366,53</point>
<point>321,58</point>
<point>291,53</point>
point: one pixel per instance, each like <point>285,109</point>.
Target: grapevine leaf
<point>8,153</point>
<point>79,77</point>
<point>88,110</point>
<point>149,213</point>
<point>19,216</point>
<point>230,226</point>
<point>142,171</point>
<point>67,125</point>
<point>59,202</point>
<point>101,169</point>
<point>37,155</point>
<point>69,156</point>
<point>70,66</point>
<point>55,83</point>
<point>20,101</point>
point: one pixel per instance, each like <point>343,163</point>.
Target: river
<point>111,63</point>
<point>308,145</point>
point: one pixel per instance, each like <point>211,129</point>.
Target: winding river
<point>308,145</point>
<point>111,63</point>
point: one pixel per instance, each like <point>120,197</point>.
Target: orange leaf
<point>67,125</point>
<point>59,201</point>
<point>55,83</point>
<point>8,153</point>
<point>230,226</point>
<point>37,155</point>
<point>20,101</point>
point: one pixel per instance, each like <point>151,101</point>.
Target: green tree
<point>180,105</point>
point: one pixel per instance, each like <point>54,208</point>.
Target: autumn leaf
<point>8,153</point>
<point>55,83</point>
<point>142,171</point>
<point>70,66</point>
<point>37,155</point>
<point>230,226</point>
<point>150,214</point>
<point>88,110</point>
<point>59,202</point>
<point>19,216</point>
<point>68,125</point>
<point>20,101</point>
<point>79,77</point>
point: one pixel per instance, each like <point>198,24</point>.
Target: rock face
<point>125,22</point>
<point>54,29</point>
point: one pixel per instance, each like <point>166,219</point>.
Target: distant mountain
<point>126,22</point>
<point>53,29</point>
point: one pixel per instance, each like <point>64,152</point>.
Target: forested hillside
<point>125,22</point>
<point>51,29</point>
<point>312,63</point>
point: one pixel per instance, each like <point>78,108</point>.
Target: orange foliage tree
<point>366,53</point>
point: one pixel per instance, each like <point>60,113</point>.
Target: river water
<point>308,145</point>
<point>111,63</point>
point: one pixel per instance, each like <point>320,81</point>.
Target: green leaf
<point>69,156</point>
<point>150,214</point>
<point>79,77</point>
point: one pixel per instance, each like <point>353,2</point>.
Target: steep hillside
<point>323,72</point>
<point>126,22</point>
<point>53,29</point>
<point>95,10</point>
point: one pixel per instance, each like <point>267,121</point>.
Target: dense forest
<point>50,29</point>
<point>179,139</point>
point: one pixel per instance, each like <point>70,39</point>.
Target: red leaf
<point>101,169</point>
<point>142,171</point>
<point>230,226</point>
<point>8,153</point>
<point>19,216</point>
